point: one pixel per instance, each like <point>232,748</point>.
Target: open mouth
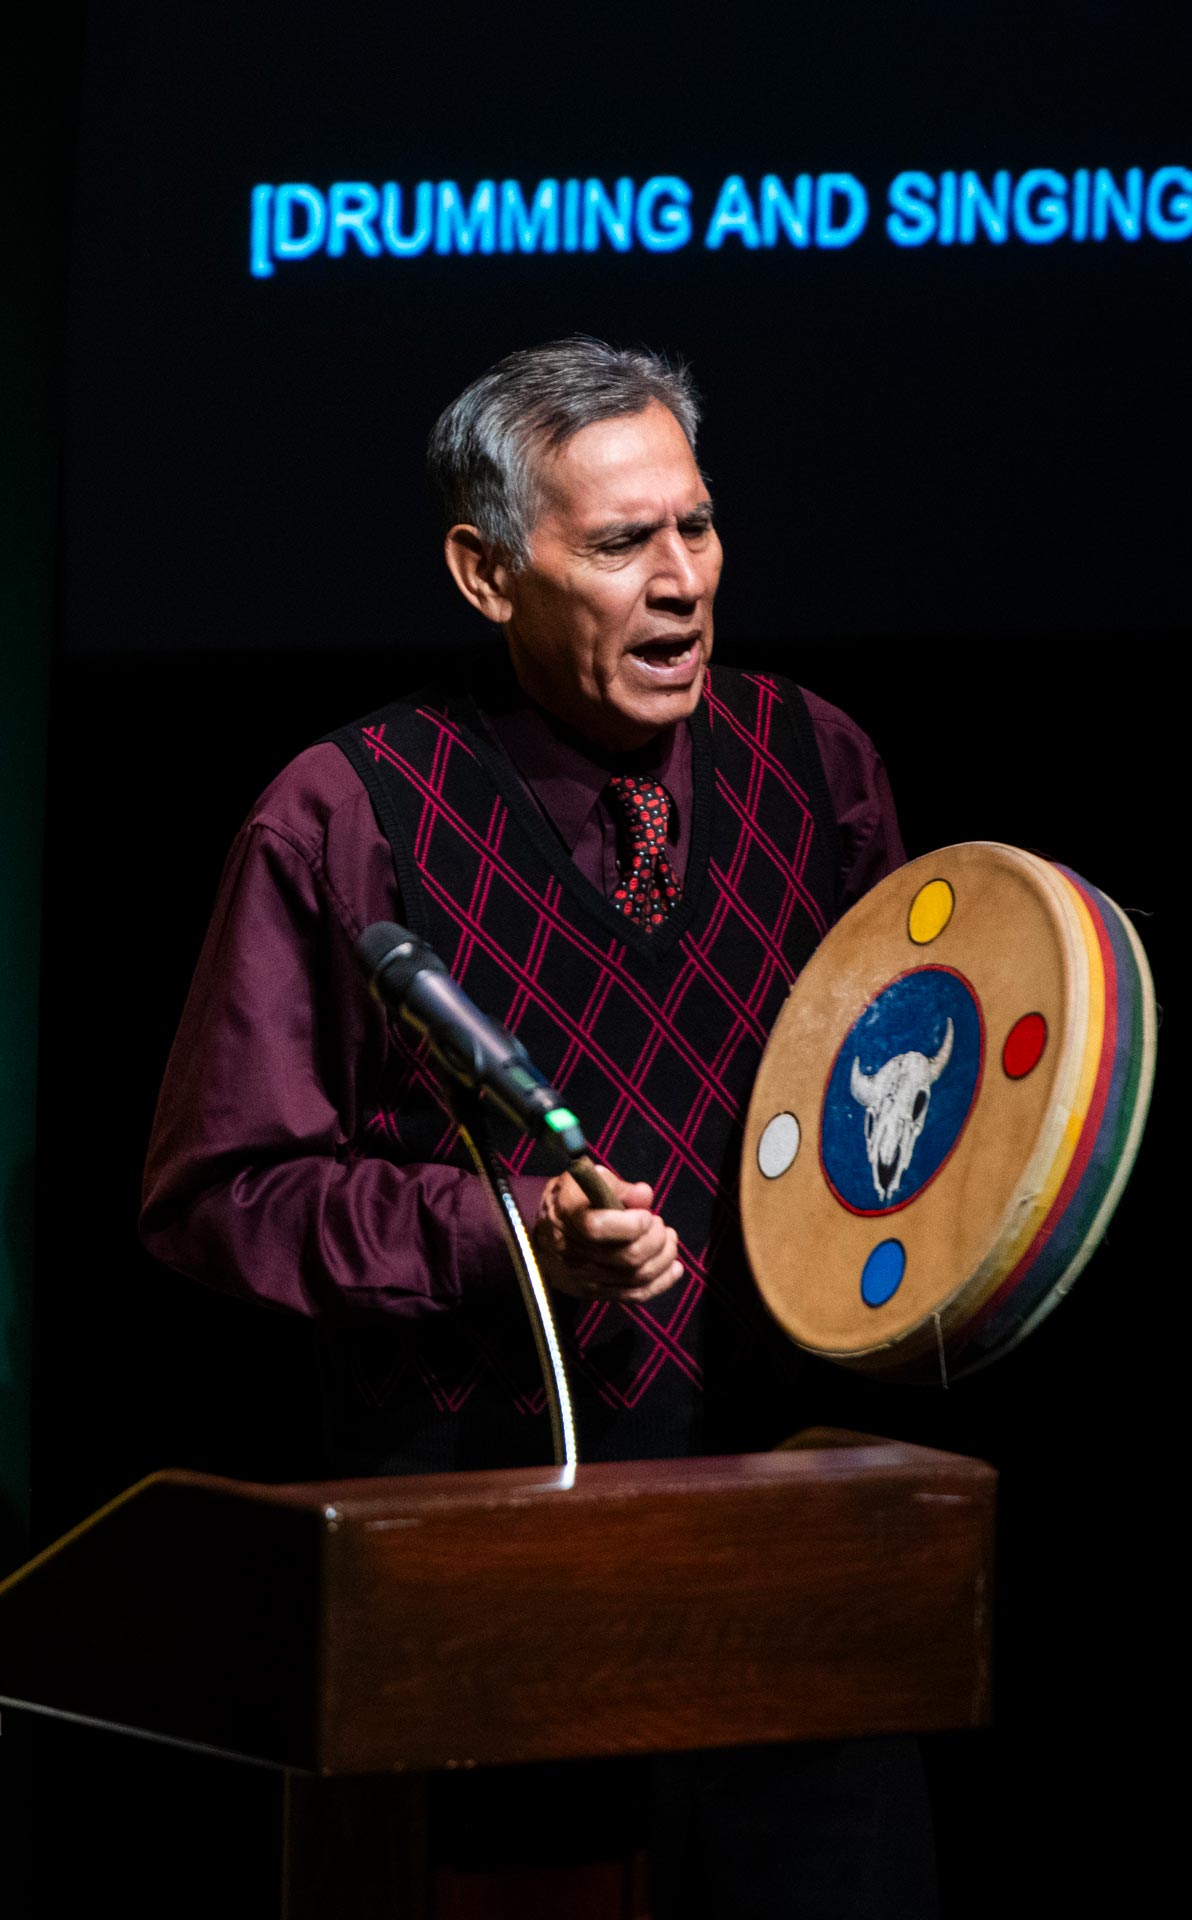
<point>666,656</point>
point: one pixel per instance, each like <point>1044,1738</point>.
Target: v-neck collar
<point>509,782</point>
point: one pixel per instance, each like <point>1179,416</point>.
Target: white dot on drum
<point>778,1145</point>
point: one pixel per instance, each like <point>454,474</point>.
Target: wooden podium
<point>364,1635</point>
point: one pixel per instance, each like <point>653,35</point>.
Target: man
<point>626,856</point>
<point>301,1153</point>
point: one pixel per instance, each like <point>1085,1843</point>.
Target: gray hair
<point>483,452</point>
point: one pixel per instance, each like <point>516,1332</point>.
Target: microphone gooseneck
<point>483,1060</point>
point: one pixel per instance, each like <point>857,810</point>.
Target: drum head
<point>946,1112</point>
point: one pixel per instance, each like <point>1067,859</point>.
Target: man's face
<point>611,623</point>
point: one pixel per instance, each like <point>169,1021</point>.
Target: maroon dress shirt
<point>255,1180</point>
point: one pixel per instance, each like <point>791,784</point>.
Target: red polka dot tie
<point>648,887</point>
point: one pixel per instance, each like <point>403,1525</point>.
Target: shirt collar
<point>567,774</point>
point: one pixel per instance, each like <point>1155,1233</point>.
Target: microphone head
<point>391,956</point>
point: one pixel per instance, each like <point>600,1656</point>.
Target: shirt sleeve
<point>260,1179</point>
<point>871,842</point>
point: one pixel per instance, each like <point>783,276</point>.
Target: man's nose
<point>678,575</point>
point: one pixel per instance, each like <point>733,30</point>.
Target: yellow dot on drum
<point>931,910</point>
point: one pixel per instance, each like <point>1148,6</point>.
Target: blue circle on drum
<point>901,1089</point>
<point>881,1276</point>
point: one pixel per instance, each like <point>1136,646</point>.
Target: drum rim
<point>1124,1166</point>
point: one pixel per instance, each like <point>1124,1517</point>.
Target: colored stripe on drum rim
<point>1105,1155</point>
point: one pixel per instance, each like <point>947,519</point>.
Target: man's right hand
<point>604,1253</point>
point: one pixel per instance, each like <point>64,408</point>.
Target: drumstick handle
<point>592,1182</point>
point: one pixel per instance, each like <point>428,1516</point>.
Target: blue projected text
<point>295,221</point>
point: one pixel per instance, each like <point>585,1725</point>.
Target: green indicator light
<point>560,1118</point>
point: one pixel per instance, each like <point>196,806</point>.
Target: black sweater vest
<point>654,1040</point>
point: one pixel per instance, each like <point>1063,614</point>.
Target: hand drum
<point>947,1112</point>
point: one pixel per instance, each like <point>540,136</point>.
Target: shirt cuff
<point>481,1256</point>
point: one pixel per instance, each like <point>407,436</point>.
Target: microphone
<point>408,977</point>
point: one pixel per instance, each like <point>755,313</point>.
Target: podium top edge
<point>855,1457</point>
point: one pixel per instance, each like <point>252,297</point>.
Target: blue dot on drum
<point>882,1273</point>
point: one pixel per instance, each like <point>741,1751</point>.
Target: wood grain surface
<point>488,1618</point>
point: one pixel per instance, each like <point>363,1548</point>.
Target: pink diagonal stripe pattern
<point>658,1058</point>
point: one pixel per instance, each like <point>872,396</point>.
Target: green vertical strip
<point>26,613</point>
<point>41,120</point>
<point>24,655</point>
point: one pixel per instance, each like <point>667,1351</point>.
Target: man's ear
<point>481,577</point>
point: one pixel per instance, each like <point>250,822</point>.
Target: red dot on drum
<point>1024,1046</point>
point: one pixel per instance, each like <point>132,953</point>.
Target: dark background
<point>951,485</point>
